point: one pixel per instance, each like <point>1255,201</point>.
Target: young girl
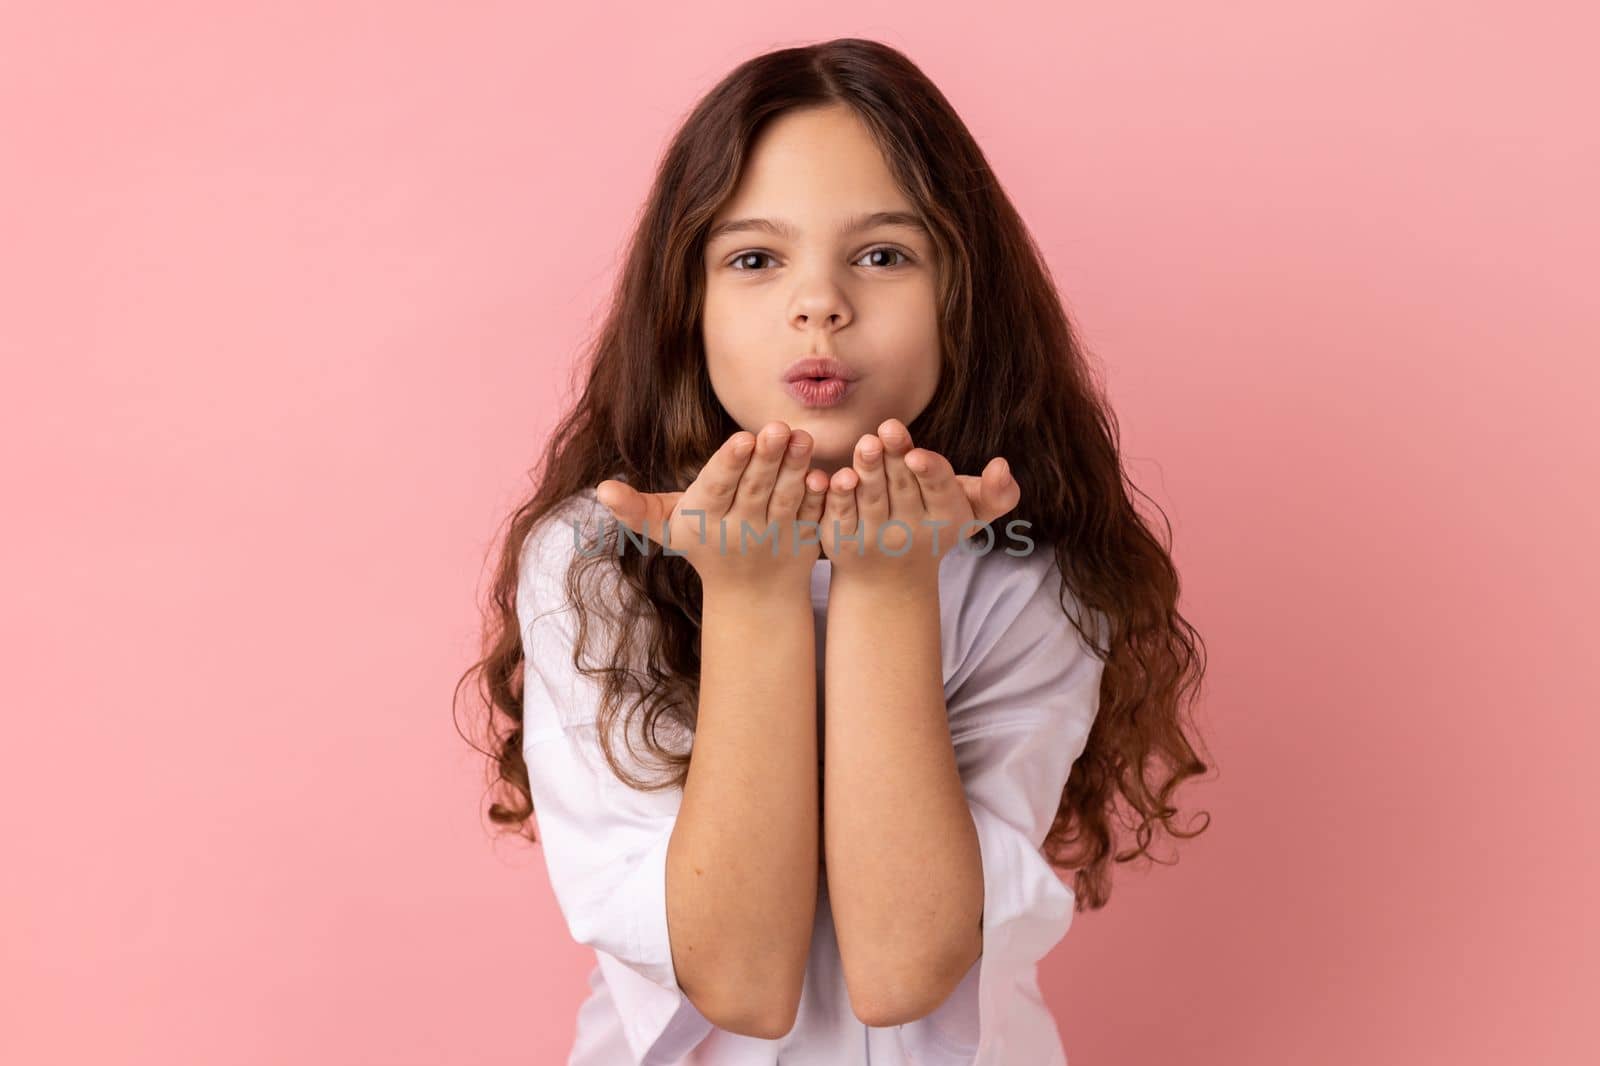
<point>877,732</point>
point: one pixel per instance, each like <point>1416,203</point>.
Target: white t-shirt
<point>1022,690</point>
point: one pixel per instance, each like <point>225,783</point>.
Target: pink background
<point>287,299</point>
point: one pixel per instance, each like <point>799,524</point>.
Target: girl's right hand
<point>753,482</point>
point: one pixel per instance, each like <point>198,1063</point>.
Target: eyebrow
<point>854,224</point>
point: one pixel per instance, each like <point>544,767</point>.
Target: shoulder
<point>556,534</point>
<point>989,591</point>
<point>998,606</point>
<point>548,550</point>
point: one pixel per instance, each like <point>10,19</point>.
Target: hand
<point>755,485</point>
<point>890,481</point>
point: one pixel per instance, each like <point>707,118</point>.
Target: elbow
<point>900,997</point>
<point>772,1026</point>
<point>885,1002</point>
<point>747,998</point>
<point>742,1014</point>
<point>901,1007</point>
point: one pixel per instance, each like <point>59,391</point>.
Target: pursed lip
<point>824,366</point>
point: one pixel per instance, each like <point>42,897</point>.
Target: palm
<point>644,512</point>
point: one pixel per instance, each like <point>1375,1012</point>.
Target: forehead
<point>818,169</point>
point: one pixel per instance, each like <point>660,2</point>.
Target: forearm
<point>905,879</point>
<point>743,859</point>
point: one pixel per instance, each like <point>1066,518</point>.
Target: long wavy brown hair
<point>647,415</point>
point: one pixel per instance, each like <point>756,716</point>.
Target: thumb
<point>642,512</point>
<point>992,494</point>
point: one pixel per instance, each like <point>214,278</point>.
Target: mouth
<point>819,392</point>
<point>818,368</point>
<point>819,381</point>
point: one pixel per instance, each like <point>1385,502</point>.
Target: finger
<point>936,478</point>
<point>840,517</point>
<point>760,474</point>
<point>972,488</point>
<point>713,489</point>
<point>642,512</point>
<point>790,490</point>
<point>816,483</point>
<point>872,494</point>
<point>998,491</point>
<point>905,495</point>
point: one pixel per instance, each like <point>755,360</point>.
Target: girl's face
<point>805,271</point>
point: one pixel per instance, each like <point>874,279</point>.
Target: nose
<point>819,304</point>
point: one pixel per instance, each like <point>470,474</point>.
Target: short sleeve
<point>604,844</point>
<point>1020,713</point>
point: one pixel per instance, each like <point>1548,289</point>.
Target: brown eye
<point>886,250</point>
<point>743,256</point>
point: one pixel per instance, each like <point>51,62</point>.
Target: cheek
<point>728,321</point>
<point>917,347</point>
<point>914,322</point>
<point>718,332</point>
<point>727,337</point>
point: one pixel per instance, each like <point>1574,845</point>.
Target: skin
<point>900,848</point>
<point>866,297</point>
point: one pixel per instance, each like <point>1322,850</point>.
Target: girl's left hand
<point>889,483</point>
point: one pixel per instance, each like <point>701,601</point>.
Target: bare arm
<point>905,869</point>
<point>742,873</point>
<point>742,863</point>
<point>904,874</point>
